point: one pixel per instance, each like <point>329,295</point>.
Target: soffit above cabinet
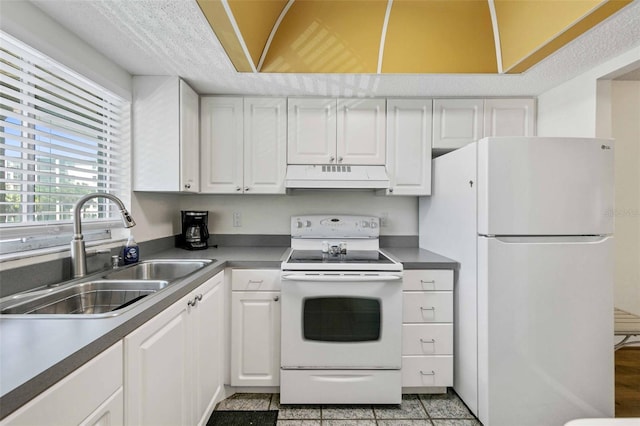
<point>399,36</point>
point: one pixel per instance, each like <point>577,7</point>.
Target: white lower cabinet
<point>427,329</point>
<point>91,395</point>
<point>173,362</point>
<point>255,327</point>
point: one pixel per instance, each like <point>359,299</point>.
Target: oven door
<point>341,321</point>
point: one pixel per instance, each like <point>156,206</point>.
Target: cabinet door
<point>221,145</point>
<point>208,345</point>
<point>409,146</point>
<point>311,131</point>
<point>456,122</point>
<point>189,139</point>
<point>81,396</point>
<point>110,413</point>
<point>158,357</point>
<point>255,338</point>
<point>361,131</point>
<point>509,117</point>
<point>156,133</point>
<point>265,145</point>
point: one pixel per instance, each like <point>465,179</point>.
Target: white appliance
<point>341,314</point>
<point>530,221</point>
<point>336,176</point>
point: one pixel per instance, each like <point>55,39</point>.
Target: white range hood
<point>336,176</point>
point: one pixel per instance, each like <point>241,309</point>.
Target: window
<point>61,137</point>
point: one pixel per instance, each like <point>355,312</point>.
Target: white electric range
<point>341,314</point>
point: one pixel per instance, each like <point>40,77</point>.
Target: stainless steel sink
<point>108,294</point>
<point>159,269</point>
<point>94,298</point>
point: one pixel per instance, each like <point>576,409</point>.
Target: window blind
<point>61,138</point>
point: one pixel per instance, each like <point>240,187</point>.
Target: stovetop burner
<point>352,257</point>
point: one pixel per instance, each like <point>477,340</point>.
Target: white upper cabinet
<point>165,135</point>
<point>361,131</point>
<point>243,143</point>
<point>509,117</point>
<point>311,131</point>
<point>456,122</point>
<point>409,146</point>
<point>265,145</point>
<point>222,133</point>
<point>336,131</point>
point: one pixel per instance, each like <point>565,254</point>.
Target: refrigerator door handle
<point>550,239</point>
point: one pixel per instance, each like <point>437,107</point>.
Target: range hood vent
<point>332,176</point>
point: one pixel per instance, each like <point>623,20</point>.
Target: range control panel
<point>335,226</point>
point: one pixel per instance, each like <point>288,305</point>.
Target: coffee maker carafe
<point>194,230</point>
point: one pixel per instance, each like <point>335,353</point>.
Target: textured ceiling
<point>172,37</point>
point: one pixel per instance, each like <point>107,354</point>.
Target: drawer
<point>427,371</point>
<point>255,279</point>
<point>427,306</point>
<point>427,279</point>
<point>427,339</point>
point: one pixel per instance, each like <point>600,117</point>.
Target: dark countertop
<point>37,353</point>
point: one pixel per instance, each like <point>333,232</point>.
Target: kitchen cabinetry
<point>509,117</point>
<point>243,145</point>
<point>173,362</point>
<point>165,135</point>
<point>91,395</point>
<point>409,133</point>
<point>255,327</point>
<point>457,122</point>
<point>336,131</point>
<point>427,329</point>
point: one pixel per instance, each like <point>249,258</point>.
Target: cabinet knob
<point>246,188</point>
<point>340,159</point>
<point>187,186</point>
<point>390,190</point>
<point>275,299</point>
<point>332,159</point>
<point>238,188</point>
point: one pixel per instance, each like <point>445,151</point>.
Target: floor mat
<point>243,418</point>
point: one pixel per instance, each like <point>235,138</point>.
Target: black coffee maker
<point>194,230</point>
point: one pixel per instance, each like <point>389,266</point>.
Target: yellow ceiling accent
<point>255,19</point>
<point>398,36</point>
<point>328,36</point>
<point>221,24</point>
<point>566,32</point>
<point>440,37</point>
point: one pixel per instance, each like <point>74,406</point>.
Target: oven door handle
<point>342,278</point>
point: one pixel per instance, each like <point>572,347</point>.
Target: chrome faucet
<point>78,253</point>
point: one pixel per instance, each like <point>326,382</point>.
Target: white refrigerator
<point>530,221</point>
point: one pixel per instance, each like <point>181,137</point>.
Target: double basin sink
<point>102,295</point>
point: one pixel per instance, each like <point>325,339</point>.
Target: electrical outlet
<point>384,219</point>
<point>237,219</point>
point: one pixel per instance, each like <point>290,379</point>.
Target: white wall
<point>270,214</point>
<point>30,25</point>
<point>625,125</point>
<point>571,109</point>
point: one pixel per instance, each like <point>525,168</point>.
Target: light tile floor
<point>415,410</point>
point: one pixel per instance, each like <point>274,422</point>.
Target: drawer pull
<point>422,308</point>
<point>428,282</point>
<point>256,281</point>
<point>432,373</point>
<point>428,341</point>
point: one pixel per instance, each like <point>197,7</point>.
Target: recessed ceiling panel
<point>436,36</point>
<point>256,19</point>
<point>331,36</point>
<point>215,13</point>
